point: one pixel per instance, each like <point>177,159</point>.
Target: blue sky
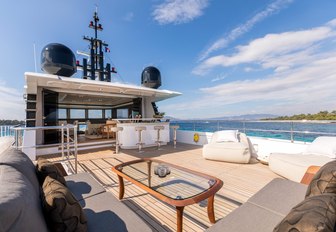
<point>227,57</point>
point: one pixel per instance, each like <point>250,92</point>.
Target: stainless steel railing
<point>6,131</point>
<point>291,132</point>
<point>68,145</point>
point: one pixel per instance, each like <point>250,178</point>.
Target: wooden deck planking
<point>241,181</point>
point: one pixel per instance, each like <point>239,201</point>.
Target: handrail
<point>244,127</point>
<point>18,135</point>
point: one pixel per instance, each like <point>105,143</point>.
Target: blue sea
<point>302,131</point>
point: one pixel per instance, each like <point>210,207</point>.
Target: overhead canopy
<point>75,88</point>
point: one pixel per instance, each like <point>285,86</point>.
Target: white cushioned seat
<point>225,147</point>
<point>293,166</point>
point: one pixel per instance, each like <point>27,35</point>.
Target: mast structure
<point>96,65</point>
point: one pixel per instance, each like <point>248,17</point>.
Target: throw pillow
<point>324,181</point>
<point>316,213</point>
<point>62,210</point>
<point>45,168</point>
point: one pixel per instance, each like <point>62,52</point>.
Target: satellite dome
<point>58,59</point>
<point>151,77</point>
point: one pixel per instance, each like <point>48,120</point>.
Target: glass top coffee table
<point>170,183</point>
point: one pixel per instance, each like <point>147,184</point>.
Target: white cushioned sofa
<point>229,146</point>
<point>293,166</point>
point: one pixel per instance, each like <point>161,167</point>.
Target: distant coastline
<point>328,117</point>
<point>11,122</point>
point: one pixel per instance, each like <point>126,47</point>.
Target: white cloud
<point>305,89</point>
<point>278,51</point>
<point>179,11</point>
<point>11,103</point>
<point>301,77</point>
<point>271,9</point>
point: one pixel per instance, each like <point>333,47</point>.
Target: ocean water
<point>302,131</point>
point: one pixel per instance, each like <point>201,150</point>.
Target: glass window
<point>77,113</point>
<point>122,113</point>
<point>108,113</point>
<point>62,113</point>
<point>95,113</point>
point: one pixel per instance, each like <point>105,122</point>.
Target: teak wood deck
<point>241,181</point>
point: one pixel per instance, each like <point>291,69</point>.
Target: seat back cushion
<point>20,161</point>
<point>324,181</point>
<point>323,145</point>
<point>225,136</point>
<point>20,203</point>
<point>62,210</point>
<point>45,168</point>
<point>316,213</point>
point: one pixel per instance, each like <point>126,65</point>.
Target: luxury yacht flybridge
<point>93,101</point>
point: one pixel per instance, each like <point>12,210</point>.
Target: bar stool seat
<point>158,137</point>
<point>116,130</point>
<point>175,127</point>
<point>140,143</point>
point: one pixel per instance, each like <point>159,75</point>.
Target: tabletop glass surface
<point>169,181</point>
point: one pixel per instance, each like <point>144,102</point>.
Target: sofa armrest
<point>308,176</point>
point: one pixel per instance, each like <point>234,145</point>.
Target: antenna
<point>96,55</point>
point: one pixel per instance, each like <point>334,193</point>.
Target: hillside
<point>322,115</point>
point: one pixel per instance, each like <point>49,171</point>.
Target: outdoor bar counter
<point>129,137</point>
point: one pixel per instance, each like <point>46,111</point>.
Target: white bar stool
<point>158,138</point>
<point>175,127</point>
<point>140,143</point>
<point>116,130</point>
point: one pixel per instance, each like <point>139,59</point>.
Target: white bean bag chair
<point>228,146</point>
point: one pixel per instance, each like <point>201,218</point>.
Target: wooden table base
<point>121,187</point>
<point>211,210</point>
<point>179,215</point>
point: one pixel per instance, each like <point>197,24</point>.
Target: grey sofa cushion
<point>324,181</point>
<point>83,185</point>
<point>279,196</point>
<point>316,213</point>
<point>106,213</point>
<point>247,218</point>
<point>22,163</point>
<point>20,205</point>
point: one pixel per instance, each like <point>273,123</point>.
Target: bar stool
<point>158,138</point>
<point>116,130</point>
<point>175,127</point>
<point>139,129</point>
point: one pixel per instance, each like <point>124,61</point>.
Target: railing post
<point>62,140</point>
<point>292,133</point>
<point>75,140</point>
<point>244,127</point>
<point>68,141</point>
<point>16,139</point>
